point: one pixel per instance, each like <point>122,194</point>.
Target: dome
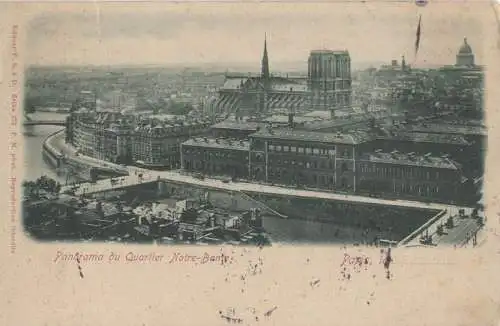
<point>465,48</point>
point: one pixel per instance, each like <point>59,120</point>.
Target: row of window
<point>308,165</point>
<point>214,154</point>
<point>399,172</point>
<point>420,189</point>
<point>217,168</point>
<point>408,188</point>
<point>302,150</point>
<point>314,179</point>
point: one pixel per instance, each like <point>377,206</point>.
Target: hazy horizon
<point>223,33</point>
<point>221,66</point>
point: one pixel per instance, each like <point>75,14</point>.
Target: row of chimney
<point>218,141</point>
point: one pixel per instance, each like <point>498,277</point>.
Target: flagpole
<point>417,41</point>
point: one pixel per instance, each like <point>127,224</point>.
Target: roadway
<point>57,141</point>
<point>176,176</point>
<point>460,232</point>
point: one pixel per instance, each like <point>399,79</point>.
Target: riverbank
<point>59,154</point>
<point>50,154</point>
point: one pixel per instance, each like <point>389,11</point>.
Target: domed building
<point>465,56</point>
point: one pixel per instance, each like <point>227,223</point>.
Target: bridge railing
<point>422,228</point>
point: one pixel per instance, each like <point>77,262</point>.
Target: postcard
<point>253,163</point>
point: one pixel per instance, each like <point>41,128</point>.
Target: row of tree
<point>44,183</point>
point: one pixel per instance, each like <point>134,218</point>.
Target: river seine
<point>34,165</point>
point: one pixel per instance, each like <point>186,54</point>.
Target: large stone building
<point>346,162</point>
<point>327,87</point>
<point>216,156</point>
<point>150,141</point>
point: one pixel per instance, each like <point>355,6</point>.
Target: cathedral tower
<point>329,79</point>
<point>265,62</point>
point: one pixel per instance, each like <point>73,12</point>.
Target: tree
<point>47,184</point>
<point>30,189</point>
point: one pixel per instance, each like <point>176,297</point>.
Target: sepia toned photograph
<point>213,126</point>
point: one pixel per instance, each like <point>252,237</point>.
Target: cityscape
<point>389,155</point>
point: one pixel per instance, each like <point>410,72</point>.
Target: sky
<point>219,33</point>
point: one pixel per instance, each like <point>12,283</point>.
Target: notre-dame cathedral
<point>327,87</point>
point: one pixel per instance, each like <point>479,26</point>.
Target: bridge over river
<point>44,119</point>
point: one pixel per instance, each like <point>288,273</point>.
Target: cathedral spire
<point>265,61</point>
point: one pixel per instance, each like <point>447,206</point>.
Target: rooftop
<point>289,87</point>
<point>284,119</point>
<point>235,125</point>
<point>220,143</point>
<point>412,160</point>
<point>323,114</point>
<point>309,136</point>
<point>325,124</point>
<point>427,138</point>
<point>234,83</point>
<point>325,51</point>
<point>449,128</point>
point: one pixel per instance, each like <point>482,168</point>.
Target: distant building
<point>465,56</point>
<point>87,99</point>
<point>465,67</point>
<point>387,73</point>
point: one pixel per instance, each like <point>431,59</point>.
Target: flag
<point>417,42</point>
